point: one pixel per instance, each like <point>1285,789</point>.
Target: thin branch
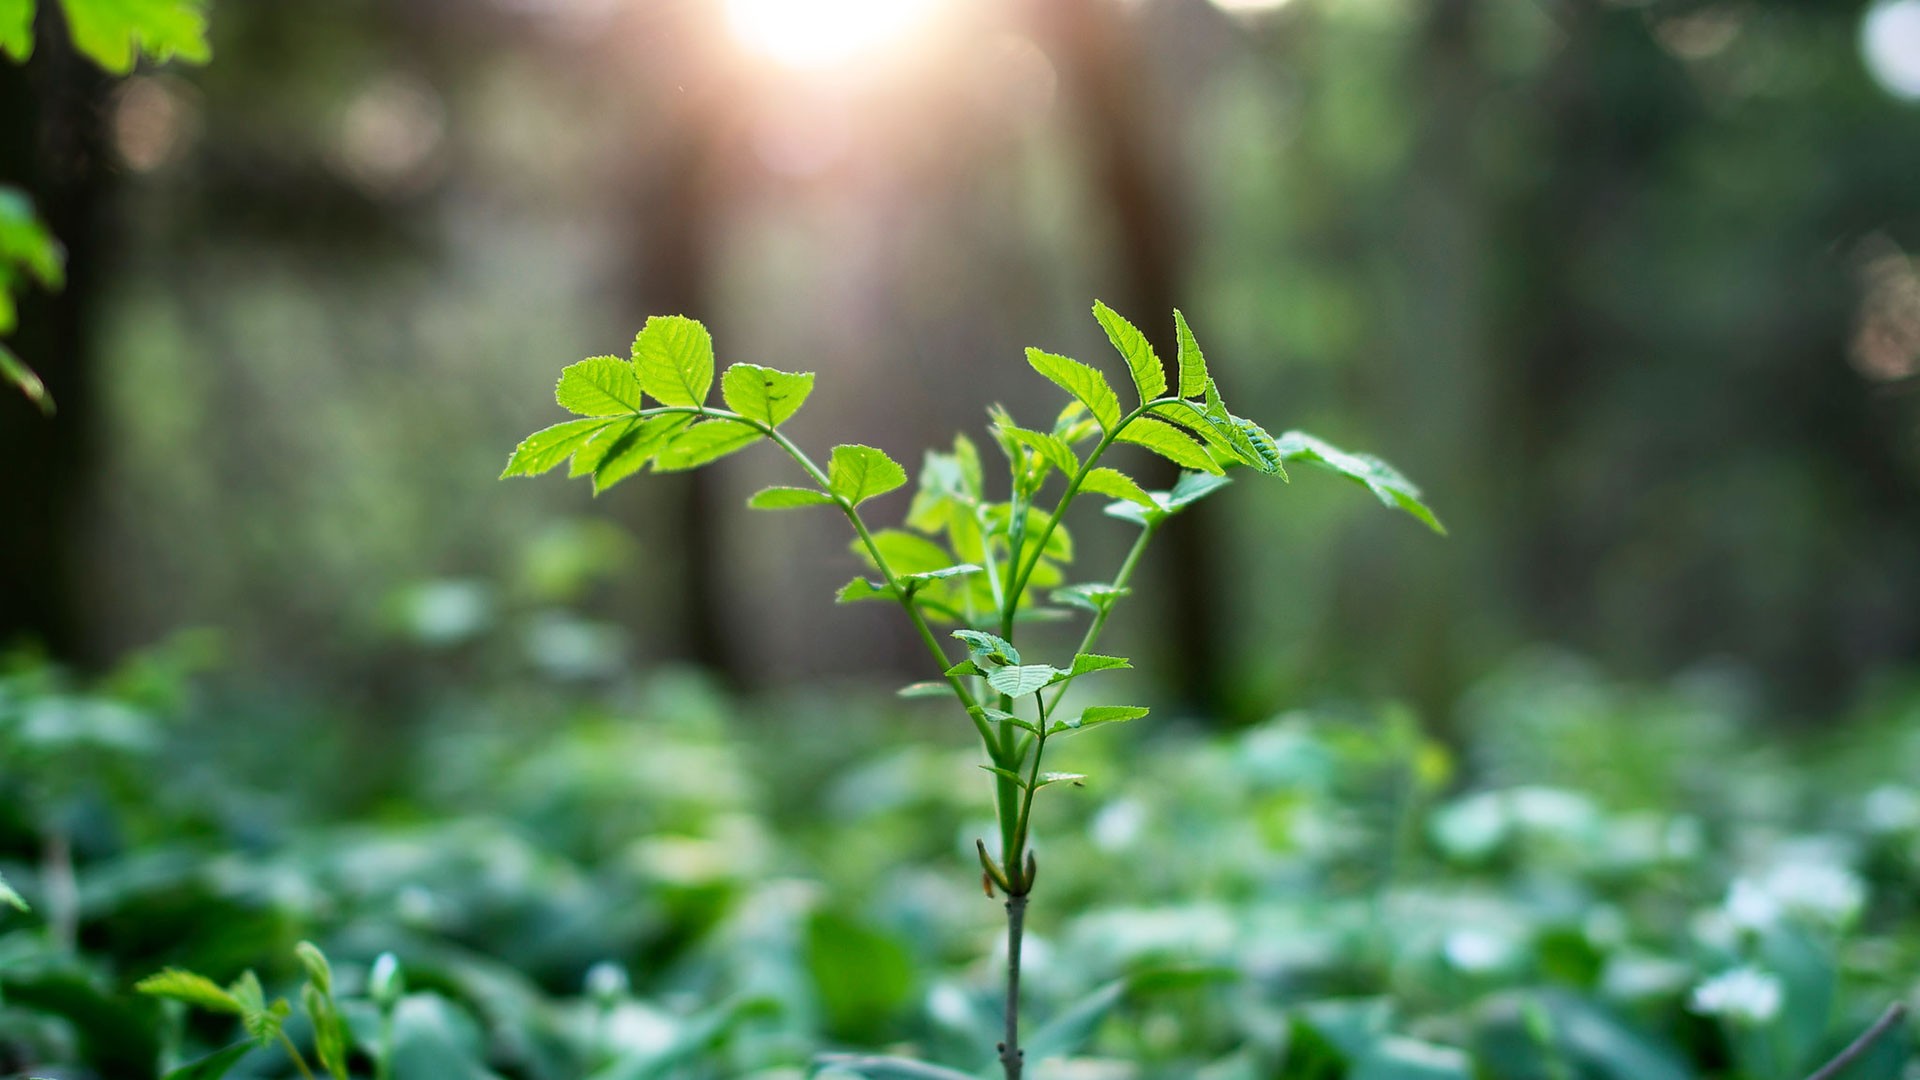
<point>1012,1058</point>
<point>1890,1019</point>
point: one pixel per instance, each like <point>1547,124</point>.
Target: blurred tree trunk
<point>52,144</point>
<point>676,200</point>
<point>1443,389</point>
<point>1098,59</point>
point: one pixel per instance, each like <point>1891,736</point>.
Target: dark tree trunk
<point>1099,61</point>
<point>52,144</point>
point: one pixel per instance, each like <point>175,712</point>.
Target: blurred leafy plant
<point>966,559</point>
<point>115,34</point>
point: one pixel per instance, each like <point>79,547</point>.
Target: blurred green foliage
<point>659,884</point>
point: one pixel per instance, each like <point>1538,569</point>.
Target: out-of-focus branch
<point>1889,1020</point>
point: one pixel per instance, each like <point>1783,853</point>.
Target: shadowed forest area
<point>1614,780</point>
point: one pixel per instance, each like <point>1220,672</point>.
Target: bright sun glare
<point>815,35</point>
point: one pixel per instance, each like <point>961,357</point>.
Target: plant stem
<point>294,1053</point>
<point>1889,1019</point>
<point>63,889</point>
<point>1012,1058</point>
<point>1099,622</point>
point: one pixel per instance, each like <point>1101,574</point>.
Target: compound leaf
<point>788,498</point>
<point>706,441</point>
<point>1084,383</point>
<point>1106,481</point>
<point>598,386</point>
<point>857,473</point>
<point>1169,442</point>
<point>673,356</point>
<point>1193,364</point>
<point>1149,378</point>
<point>621,457</point>
<point>1370,472</point>
<point>764,394</point>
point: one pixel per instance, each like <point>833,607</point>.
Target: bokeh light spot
<point>820,34</point>
<point>1890,42</point>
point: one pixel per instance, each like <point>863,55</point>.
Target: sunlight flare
<point>816,35</point>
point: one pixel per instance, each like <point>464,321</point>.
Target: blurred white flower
<point>1478,951</point>
<point>1818,892</point>
<point>1745,995</point>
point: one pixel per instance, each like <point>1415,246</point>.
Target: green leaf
<point>764,394</point>
<point>788,498</point>
<point>1191,488</point>
<point>329,1030</point>
<point>942,574</point>
<point>16,29</point>
<point>906,553</point>
<point>194,989</point>
<point>1106,481</point>
<point>1257,448</point>
<point>614,458</point>
<point>1002,716</point>
<point>10,898</point>
<point>1052,449</point>
<point>1216,432</point>
<point>1094,597</point>
<point>262,1020</point>
<point>13,370</point>
<point>542,450</point>
<point>857,473</point>
<point>1169,442</point>
<point>214,1065</point>
<point>861,589</point>
<point>1088,663</point>
<point>1084,383</point>
<point>1386,483</point>
<point>674,358</point>
<point>964,667</point>
<point>925,690</point>
<point>1097,715</point>
<point>704,442</point>
<point>598,386</point>
<point>985,648</point>
<point>1059,777</point>
<point>1193,365</point>
<point>1149,377</point>
<point>1022,680</point>
<point>1001,770</point>
<point>319,972</point>
<point>116,33</point>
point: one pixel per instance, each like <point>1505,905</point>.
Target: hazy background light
<point>1890,41</point>
<point>816,35</point>
<point>1250,7</point>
